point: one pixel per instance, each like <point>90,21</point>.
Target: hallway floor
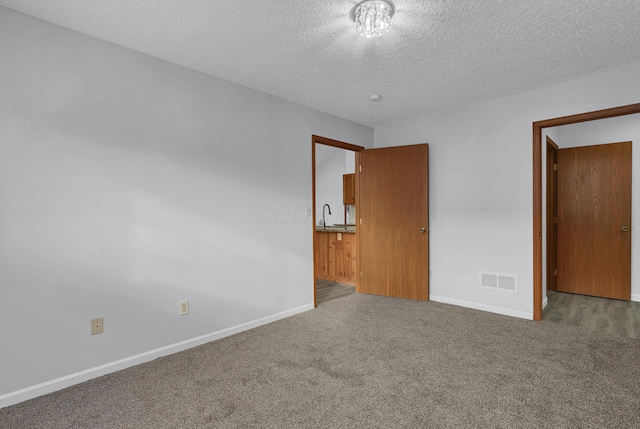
<point>595,314</point>
<point>327,290</point>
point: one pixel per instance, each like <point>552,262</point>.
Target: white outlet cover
<point>184,308</point>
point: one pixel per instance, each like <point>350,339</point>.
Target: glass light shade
<point>372,18</point>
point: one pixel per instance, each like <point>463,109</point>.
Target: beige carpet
<point>367,362</point>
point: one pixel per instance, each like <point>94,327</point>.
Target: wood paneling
<point>335,256</point>
<point>321,251</point>
<point>594,203</point>
<point>393,210</point>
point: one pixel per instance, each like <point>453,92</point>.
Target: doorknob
<point>624,228</point>
<point>422,230</point>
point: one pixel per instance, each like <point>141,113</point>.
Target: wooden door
<point>594,220</point>
<point>392,210</point>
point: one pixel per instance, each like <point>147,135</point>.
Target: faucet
<point>324,224</point>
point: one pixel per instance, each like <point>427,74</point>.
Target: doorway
<point>322,149</point>
<point>392,222</point>
<point>537,187</point>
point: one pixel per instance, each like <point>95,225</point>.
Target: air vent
<point>507,283</point>
<point>489,280</point>
<point>504,282</point>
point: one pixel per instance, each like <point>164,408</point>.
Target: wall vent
<point>504,282</point>
<point>489,280</point>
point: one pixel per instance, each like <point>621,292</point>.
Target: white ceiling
<point>439,54</point>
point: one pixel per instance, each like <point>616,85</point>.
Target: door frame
<point>552,206</point>
<point>537,185</point>
<point>341,145</point>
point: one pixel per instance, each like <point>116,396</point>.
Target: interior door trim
<point>328,142</point>
<point>537,185</point>
<point>552,204</point>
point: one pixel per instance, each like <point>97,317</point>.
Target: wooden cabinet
<point>348,189</point>
<point>336,257</point>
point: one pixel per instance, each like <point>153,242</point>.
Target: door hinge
<point>360,221</point>
<point>555,272</point>
<point>360,169</point>
<point>555,167</point>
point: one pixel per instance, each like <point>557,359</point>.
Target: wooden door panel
<point>594,202</point>
<point>349,257</point>
<point>393,208</point>
<point>322,255</point>
<point>335,257</point>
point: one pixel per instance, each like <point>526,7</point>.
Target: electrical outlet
<point>184,308</point>
<point>97,326</point>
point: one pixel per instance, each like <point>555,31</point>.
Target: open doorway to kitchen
<point>333,213</point>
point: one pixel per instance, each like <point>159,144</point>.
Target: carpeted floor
<point>367,362</point>
<point>612,316</point>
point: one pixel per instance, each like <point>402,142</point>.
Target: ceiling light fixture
<point>372,17</point>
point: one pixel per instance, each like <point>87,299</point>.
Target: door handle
<point>624,228</point>
<point>422,230</point>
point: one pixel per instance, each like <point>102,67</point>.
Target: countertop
<point>351,229</point>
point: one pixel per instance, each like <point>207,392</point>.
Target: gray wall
<point>329,190</point>
<point>128,184</point>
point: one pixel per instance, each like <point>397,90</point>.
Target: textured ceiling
<point>439,54</point>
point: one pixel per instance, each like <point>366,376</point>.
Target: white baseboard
<point>483,307</point>
<point>31,392</point>
<point>635,298</point>
<point>545,301</point>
